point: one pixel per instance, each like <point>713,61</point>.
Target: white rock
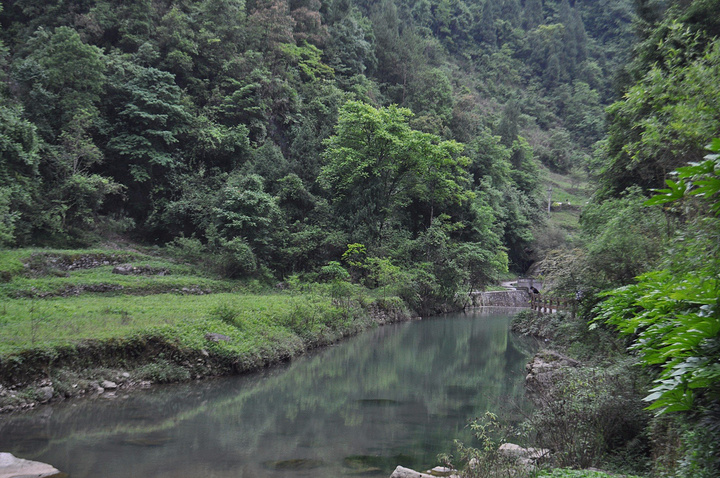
<point>12,467</point>
<point>511,450</point>
<point>442,471</point>
<point>108,385</point>
<point>402,472</point>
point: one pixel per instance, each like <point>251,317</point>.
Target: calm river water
<point>396,395</point>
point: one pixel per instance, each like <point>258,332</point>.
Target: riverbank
<point>77,323</point>
<point>588,398</point>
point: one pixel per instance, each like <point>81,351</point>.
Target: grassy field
<point>69,313</point>
<point>28,323</point>
<point>568,199</point>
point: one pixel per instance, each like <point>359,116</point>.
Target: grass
<point>61,321</point>
<point>42,273</point>
<point>564,193</point>
<point>103,278</point>
<point>66,310</point>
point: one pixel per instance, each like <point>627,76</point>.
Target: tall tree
<point>376,164</point>
<point>142,145</point>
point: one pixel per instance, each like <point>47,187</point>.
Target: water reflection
<point>396,395</point>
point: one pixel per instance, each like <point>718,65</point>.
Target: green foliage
<point>673,313</point>
<point>225,312</point>
<point>587,414</point>
<point>667,118</point>
<point>145,115</point>
<point>149,114</point>
<point>163,371</point>
<point>624,238</point>
<point>65,75</point>
<point>483,459</point>
<point>334,271</point>
<point>676,326</point>
<point>700,179</point>
<point>19,176</point>
<point>529,322</point>
<point>377,165</point>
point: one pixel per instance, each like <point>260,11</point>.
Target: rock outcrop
<point>12,467</point>
<point>131,270</point>
<point>542,371</point>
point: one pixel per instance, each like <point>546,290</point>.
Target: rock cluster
<point>131,270</point>
<point>193,290</point>
<point>40,262</point>
<point>28,396</point>
<point>69,290</point>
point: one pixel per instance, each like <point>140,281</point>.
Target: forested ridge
<point>406,143</point>
<point>226,126</point>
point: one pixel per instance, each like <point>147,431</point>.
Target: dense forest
<point>391,141</point>
<point>274,133</point>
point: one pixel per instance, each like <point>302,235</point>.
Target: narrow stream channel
<point>396,395</point>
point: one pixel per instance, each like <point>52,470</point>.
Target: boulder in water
<point>12,467</point>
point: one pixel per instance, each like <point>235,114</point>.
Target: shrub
<point>589,414</point>
<point>163,371</point>
<point>237,258</point>
<point>188,249</point>
<point>529,322</point>
<point>485,461</point>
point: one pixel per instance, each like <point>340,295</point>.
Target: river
<point>396,395</point>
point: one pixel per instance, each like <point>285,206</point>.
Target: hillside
<point>211,120</point>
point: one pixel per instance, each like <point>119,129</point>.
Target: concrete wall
<point>502,298</point>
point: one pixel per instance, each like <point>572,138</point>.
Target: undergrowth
<point>592,415</point>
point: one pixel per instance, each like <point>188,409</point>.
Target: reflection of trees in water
<point>409,386</point>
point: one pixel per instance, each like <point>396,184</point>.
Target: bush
<point>529,322</point>
<point>188,249</point>
<point>237,258</point>
<point>590,414</point>
<point>485,461</point>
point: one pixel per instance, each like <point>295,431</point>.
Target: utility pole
<point>549,198</point>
